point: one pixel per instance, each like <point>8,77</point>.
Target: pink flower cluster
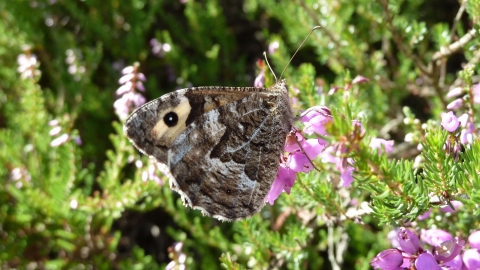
<point>446,252</point>
<point>450,122</point>
<point>129,97</point>
<point>301,151</point>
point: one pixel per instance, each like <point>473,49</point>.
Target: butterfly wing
<point>221,144</point>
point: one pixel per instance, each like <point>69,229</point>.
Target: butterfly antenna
<point>301,44</point>
<point>268,64</point>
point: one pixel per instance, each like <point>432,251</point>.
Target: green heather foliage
<point>89,206</point>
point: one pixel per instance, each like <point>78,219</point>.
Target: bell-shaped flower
<point>408,241</point>
<point>388,259</point>
<point>471,258</point>
<point>377,143</point>
<point>449,121</point>
<point>426,261</point>
<point>474,240</point>
<point>448,250</point>
<point>284,181</point>
<point>435,237</point>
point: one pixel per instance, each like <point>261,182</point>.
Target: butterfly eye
<point>170,119</point>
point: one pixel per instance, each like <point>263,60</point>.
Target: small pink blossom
<point>377,143</point>
<point>450,121</point>
<point>426,261</point>
<point>314,112</point>
<point>284,181</point>
<point>471,258</point>
<point>387,259</point>
<point>457,103</point>
<point>315,120</point>
<point>360,79</point>
<point>129,97</point>
<point>435,237</point>
<point>476,93</point>
<point>273,47</point>
<point>425,215</point>
<point>448,250</point>
<point>260,80</point>
<point>455,92</point>
<point>447,209</point>
<point>346,176</point>
<point>60,140</point>
<point>53,122</point>
<point>55,131</point>
<point>298,162</point>
<point>291,144</point>
<point>455,264</point>
<point>474,240</point>
<point>408,241</point>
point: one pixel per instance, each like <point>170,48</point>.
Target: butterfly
<point>219,146</point>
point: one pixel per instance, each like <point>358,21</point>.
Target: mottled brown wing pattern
<point>223,152</point>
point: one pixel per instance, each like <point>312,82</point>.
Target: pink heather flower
<point>377,143</point>
<point>284,181</point>
<point>273,47</point>
<point>393,238</point>
<point>334,154</point>
<point>425,215</point>
<point>55,131</point>
<point>260,79</point>
<point>448,250</point>
<point>298,162</point>
<point>346,176</point>
<point>388,259</point>
<point>448,209</point>
<point>455,264</point>
<point>466,136</point>
<point>426,261</point>
<point>129,98</point>
<point>53,122</point>
<point>360,79</point>
<point>333,90</point>
<point>313,147</point>
<point>474,240</point>
<point>60,140</point>
<point>435,237</point>
<point>464,119</point>
<point>291,144</point>
<point>408,241</point>
<point>471,258</point>
<point>457,103</point>
<point>476,93</point>
<point>315,119</point>
<point>455,92</point>
<point>450,121</point>
<point>315,111</point>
